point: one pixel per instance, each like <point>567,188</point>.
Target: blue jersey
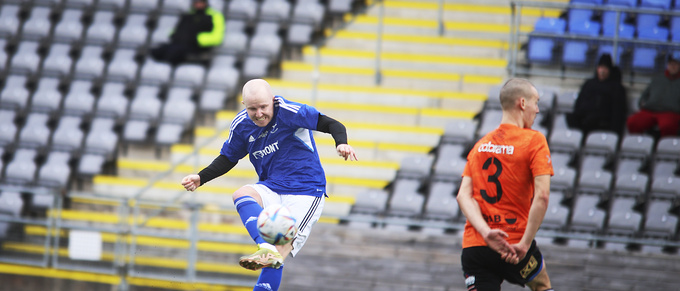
<point>283,152</point>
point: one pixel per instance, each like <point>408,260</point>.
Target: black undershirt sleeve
<point>219,166</point>
<point>334,127</point>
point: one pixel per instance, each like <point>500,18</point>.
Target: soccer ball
<point>276,225</point>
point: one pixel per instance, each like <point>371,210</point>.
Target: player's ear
<point>523,103</point>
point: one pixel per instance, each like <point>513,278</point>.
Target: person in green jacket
<point>660,102</point>
<point>197,31</point>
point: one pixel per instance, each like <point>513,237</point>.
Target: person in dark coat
<point>197,31</point>
<point>601,103</point>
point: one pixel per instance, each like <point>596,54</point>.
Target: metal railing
<point>516,67</point>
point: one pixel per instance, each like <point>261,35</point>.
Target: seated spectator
<point>196,32</point>
<point>660,102</point>
<point>601,103</point>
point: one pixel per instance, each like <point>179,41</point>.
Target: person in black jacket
<point>601,103</point>
<point>196,31</point>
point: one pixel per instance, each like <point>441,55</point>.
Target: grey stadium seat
<point>493,100</point>
<point>91,164</point>
<point>47,97</point>
<point>636,146</point>
<point>267,45</point>
<point>586,215</point>
<point>547,97</point>
<point>21,169</point>
<point>601,143</point>
<point>665,187</point>
<point>441,202</point>
<point>623,219</point>
<point>90,65</point>
<point>176,6</point>
<point>69,28</point>
<point>592,163</point>
<point>14,94</point>
<point>565,140</point>
<point>11,203</point>
<point>35,133</point>
<point>26,59</point>
<point>275,11</point>
<point>255,67</point>
<point>450,163</point>
<point>664,168</point>
<point>415,166</point>
<point>405,200</point>
<point>155,72</point>
<point>490,121</point>
<point>112,102</point>
<point>79,100</point>
<point>189,75</point>
<point>143,5</point>
<point>166,23</point>
<point>299,34</point>
<point>222,77</point>
<point>9,19</point>
<point>178,114</point>
<point>340,7</point>
<point>58,61</point>
<point>110,4</point>
<point>557,214</point>
<point>101,139</point>
<point>145,105</point>
<point>3,55</point>
<point>371,201</point>
<point>56,171</point>
<point>594,181</point>
<point>68,136</point>
<point>8,128</point>
<point>309,12</point>
<point>565,102</point>
<point>134,32</point>
<point>235,42</point>
<point>560,160</point>
<point>631,185</point>
<point>242,9</point>
<point>459,131</point>
<point>38,23</point>
<point>123,65</point>
<point>212,100</point>
<point>563,179</point>
<point>102,29</point>
<point>628,166</point>
<point>668,148</point>
<point>658,221</point>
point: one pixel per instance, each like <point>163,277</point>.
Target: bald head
<point>514,89</point>
<point>256,89</point>
<point>259,101</point>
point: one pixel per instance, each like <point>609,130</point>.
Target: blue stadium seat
<point>540,49</point>
<point>626,31</point>
<point>609,49</point>
<point>595,2</point>
<point>644,57</point>
<point>675,27</point>
<point>662,4</point>
<point>628,3</point>
<point>575,51</point>
<point>647,21</point>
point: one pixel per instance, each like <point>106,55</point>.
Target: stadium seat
<point>255,67</point>
<point>339,7</point>
<point>91,164</point>
<point>586,215</point>
<point>58,61</point>
<point>9,19</point>
<point>4,56</point>
<point>539,49</point>
<point>309,12</point>
<point>593,162</point>
<point>493,100</point>
<point>668,148</point>
<point>112,102</point>
<point>299,34</point>
<point>565,102</point>
<point>450,162</point>
<point>560,160</point>
<point>659,4</point>
<point>373,201</point>
<point>278,11</point>
<point>628,167</point>
<point>636,146</point>
<point>70,27</point>
<point>56,170</point>
<point>490,121</point>
<point>665,187</point>
<point>235,42</point>
<point>441,202</point>
<point>79,3</point>
<point>26,59</point>
<point>21,169</point>
<point>565,140</point>
<point>659,222</point>
<point>35,134</point>
<point>154,72</point>
<point>222,74</point>
<point>111,4</point>
<point>38,25</point>
<point>176,6</point>
<point>164,26</point>
<point>134,32</point>
<point>47,97</point>
<point>90,65</point>
<point>101,139</point>
<point>644,57</point>
<point>8,128</point>
<point>189,75</point>
<point>459,132</point>
<point>123,66</point>
<point>575,52</point>
<point>177,115</point>
<point>623,219</point>
<point>145,105</point>
<point>675,27</point>
<point>266,45</point>
<point>79,100</point>
<point>631,185</point>
<point>626,3</point>
<point>143,5</point>
<point>557,214</point>
<point>601,143</point>
<point>14,95</point>
<point>594,181</point>
<point>242,9</point>
<point>547,97</point>
<point>102,29</point>
<point>212,100</point>
<point>664,168</point>
<point>405,200</point>
<point>68,136</point>
<point>415,167</point>
<point>11,203</point>
<point>563,179</point>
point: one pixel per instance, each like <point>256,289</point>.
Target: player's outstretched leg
<point>266,256</point>
<point>269,280</point>
<point>248,209</point>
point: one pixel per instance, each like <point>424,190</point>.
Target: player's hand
<point>520,251</point>
<point>346,151</point>
<point>495,239</point>
<point>191,182</point>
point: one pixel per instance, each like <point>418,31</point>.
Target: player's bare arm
<point>536,214</point>
<point>495,238</point>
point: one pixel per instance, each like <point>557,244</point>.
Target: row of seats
<point>603,184</point>
<point>603,23</point>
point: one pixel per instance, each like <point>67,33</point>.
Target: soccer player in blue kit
<point>277,134</point>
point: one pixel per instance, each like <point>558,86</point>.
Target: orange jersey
<point>502,166</point>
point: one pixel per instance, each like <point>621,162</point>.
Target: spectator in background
<point>660,102</point>
<point>601,103</point>
<point>196,32</point>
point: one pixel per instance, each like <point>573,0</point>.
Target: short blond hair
<point>514,89</point>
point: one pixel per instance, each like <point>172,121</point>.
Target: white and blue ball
<point>276,225</point>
